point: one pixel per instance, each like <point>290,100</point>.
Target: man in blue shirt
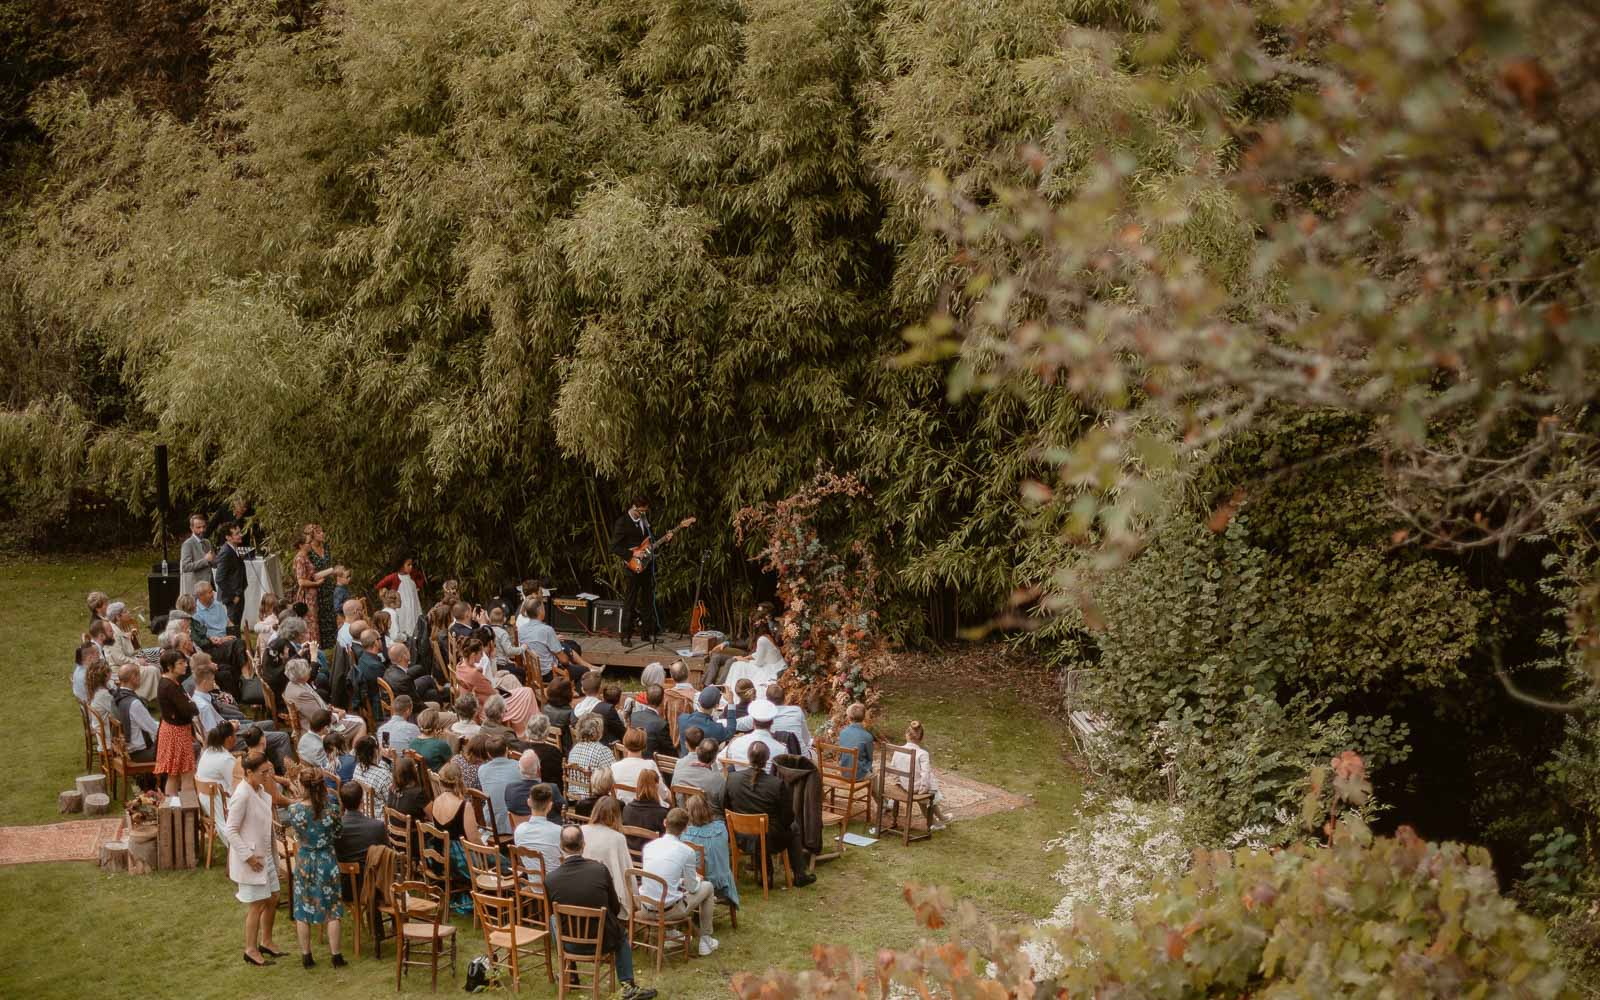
<point>209,629</point>
<point>709,699</point>
<point>494,775</point>
<point>537,832</point>
<point>856,740</point>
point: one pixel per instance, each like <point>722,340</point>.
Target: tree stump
<point>114,855</point>
<point>70,802</point>
<point>142,850</point>
<point>91,784</point>
<point>96,804</point>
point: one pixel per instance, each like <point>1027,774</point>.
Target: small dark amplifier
<point>607,616</point>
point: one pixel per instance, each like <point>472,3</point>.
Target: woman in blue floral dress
<point>316,822</point>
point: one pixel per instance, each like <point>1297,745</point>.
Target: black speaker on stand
<point>163,582</point>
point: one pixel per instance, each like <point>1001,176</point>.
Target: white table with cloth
<point>262,576</point>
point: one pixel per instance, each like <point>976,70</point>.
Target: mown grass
<point>67,930</point>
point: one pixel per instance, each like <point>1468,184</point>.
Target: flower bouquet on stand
<point>142,811</point>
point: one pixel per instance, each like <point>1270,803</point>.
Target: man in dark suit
<point>578,881</point>
<point>630,531</point>
<point>230,574</point>
<point>752,790</point>
<point>648,717</point>
<point>357,831</point>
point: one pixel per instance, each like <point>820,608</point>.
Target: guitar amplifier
<point>607,616</point>
<point>571,614</point>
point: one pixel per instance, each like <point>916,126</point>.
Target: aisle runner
<point>78,840</point>
<point>968,799</point>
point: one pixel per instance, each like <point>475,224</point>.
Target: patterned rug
<point>78,840</point>
<point>968,799</point>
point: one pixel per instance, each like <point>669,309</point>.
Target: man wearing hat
<point>761,715</point>
<point>709,699</point>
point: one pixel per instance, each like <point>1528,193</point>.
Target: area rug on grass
<point>79,840</point>
<point>968,799</point>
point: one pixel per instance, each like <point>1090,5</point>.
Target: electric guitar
<point>645,552</point>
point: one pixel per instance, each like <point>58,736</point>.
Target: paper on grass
<point>857,840</point>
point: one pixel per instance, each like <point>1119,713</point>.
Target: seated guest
<point>764,666</point>
<point>739,750</point>
<point>473,753</point>
<point>209,630</point>
<point>466,724</point>
<point>341,762</point>
<point>494,711</point>
<point>537,733</point>
<point>600,787</point>
<point>358,830</point>
<point>708,831</point>
<point>681,889</point>
<point>307,702</point>
<point>590,686</point>
<point>495,774</point>
<point>215,707</point>
<point>606,843</point>
<point>538,832</point>
<point>610,698</point>
<point>290,645</point>
<point>653,674</point>
<point>85,656</point>
<point>679,672</point>
<point>701,718</point>
<point>431,745</point>
<point>369,666</point>
<point>528,771</point>
<point>139,728</point>
<point>588,752</point>
<point>506,652</point>
<point>500,680</point>
<point>408,794</point>
<point>405,679</point>
<point>926,779</point>
<point>633,764</point>
<point>558,709</point>
<point>313,746</point>
<point>658,736</point>
<point>269,612</point>
<point>578,881</point>
<point>449,810</point>
<point>753,791</point>
<point>549,648</point>
<point>737,717</point>
<point>124,648</point>
<point>789,719</point>
<point>703,772</point>
<point>98,605</point>
<point>646,811</point>
<point>218,765</point>
<point>857,739</point>
<point>398,730</point>
<point>470,679</point>
<point>97,682</point>
<point>372,771</point>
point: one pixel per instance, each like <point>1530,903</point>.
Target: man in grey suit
<point>197,557</point>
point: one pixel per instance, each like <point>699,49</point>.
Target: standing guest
<point>605,843</point>
<point>658,735</point>
<point>588,752</point>
<point>312,567</point>
<point>856,739</point>
<point>926,779</point>
<point>703,772</point>
<point>341,590</point>
<point>357,832</point>
<point>404,679</point>
<point>398,731</point>
<point>316,823</point>
<point>252,861</point>
<point>646,811</point>
<point>789,718</point>
<point>307,702</point>
<point>610,698</point>
<point>409,794</point>
<point>407,583</point>
<point>558,708</point>
<point>681,889</point>
<point>578,881</point>
<point>271,609</point>
<point>371,770</point>
<point>537,832</point>
<point>752,790</point>
<point>495,774</point>
<point>708,701</point>
<point>631,768</point>
<point>217,763</point>
<point>707,830</point>
<point>431,745</point>
<point>209,629</point>
<point>197,557</point>
<point>175,739</point>
<point>139,730</point>
<point>230,572</point>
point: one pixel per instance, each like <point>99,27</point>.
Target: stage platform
<point>608,651</point>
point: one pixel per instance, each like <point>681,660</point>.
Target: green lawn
<point>67,930</point>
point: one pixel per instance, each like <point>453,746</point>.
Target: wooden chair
<point>369,801</point>
<point>527,872</point>
<point>618,750</point>
<point>385,699</point>
<point>896,785</point>
<point>402,840</point>
<point>421,928</point>
<point>655,922</point>
<point>92,736</point>
<point>573,778</point>
<point>681,794</point>
<point>433,856</point>
<point>580,940</point>
<point>667,767</point>
<point>700,867</point>
<point>483,811</point>
<point>214,814</point>
<point>121,762</point>
<point>642,834</point>
<point>842,791</point>
<point>275,712</point>
<point>489,870</point>
<point>754,825</point>
<point>504,931</point>
<point>352,871</point>
<point>294,726</point>
<point>283,837</point>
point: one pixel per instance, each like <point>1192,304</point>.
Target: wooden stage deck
<point>608,651</point>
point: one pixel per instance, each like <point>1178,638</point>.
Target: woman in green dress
<point>323,565</point>
<point>316,822</point>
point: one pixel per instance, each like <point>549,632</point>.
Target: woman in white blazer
<point>252,861</point>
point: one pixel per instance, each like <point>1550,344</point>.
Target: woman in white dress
<point>252,862</point>
<point>763,667</point>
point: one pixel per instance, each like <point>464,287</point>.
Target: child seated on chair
<point>926,780</point>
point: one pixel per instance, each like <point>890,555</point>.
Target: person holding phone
<point>252,861</point>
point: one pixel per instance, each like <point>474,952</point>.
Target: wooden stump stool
<point>91,784</point>
<point>96,804</point>
<point>142,850</point>
<point>114,855</point>
<point>70,802</point>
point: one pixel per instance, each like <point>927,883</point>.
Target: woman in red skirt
<point>175,738</point>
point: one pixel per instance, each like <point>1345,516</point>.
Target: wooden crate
<point>178,833</point>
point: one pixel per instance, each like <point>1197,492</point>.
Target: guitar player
<point>631,530</point>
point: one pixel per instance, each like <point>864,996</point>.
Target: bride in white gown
<point>763,667</point>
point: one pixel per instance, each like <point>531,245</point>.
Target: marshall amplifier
<point>570,614</point>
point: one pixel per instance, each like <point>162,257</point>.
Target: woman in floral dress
<point>316,822</point>
<point>313,565</point>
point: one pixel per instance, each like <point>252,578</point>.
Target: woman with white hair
<point>307,702</point>
<point>124,649</point>
<point>654,673</point>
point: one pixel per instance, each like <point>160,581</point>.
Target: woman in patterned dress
<point>313,565</point>
<point>175,737</point>
<point>316,822</point>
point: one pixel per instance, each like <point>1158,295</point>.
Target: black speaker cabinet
<point>163,590</point>
<point>570,614</point>
<point>607,616</point>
